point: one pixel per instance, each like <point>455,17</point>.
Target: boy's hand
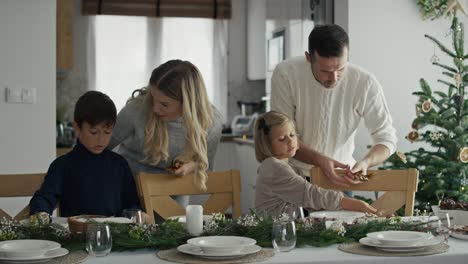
<point>40,218</point>
<point>357,205</point>
<point>185,168</point>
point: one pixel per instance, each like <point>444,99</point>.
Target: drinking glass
<point>284,234</point>
<point>134,214</point>
<point>293,212</point>
<point>440,227</point>
<point>98,239</point>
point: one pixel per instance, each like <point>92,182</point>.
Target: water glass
<point>440,227</point>
<point>98,240</point>
<point>135,215</point>
<point>284,235</point>
<point>293,212</point>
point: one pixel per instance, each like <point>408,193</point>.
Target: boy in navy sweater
<point>90,179</point>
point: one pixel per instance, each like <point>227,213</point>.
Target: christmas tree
<point>441,123</point>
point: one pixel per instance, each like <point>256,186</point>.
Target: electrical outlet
<point>13,95</point>
<point>28,95</point>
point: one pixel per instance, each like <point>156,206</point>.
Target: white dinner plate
<point>399,238</point>
<point>221,244</point>
<point>399,248</point>
<point>182,218</point>
<point>26,248</point>
<point>346,216</point>
<point>459,236</point>
<point>196,251</point>
<point>59,252</point>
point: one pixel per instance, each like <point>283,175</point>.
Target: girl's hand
<point>357,205</point>
<point>185,168</point>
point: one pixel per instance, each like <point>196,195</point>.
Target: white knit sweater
<point>327,119</point>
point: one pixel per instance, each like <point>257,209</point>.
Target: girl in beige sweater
<point>278,184</point>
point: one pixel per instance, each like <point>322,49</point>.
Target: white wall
<point>387,38</point>
<point>27,52</point>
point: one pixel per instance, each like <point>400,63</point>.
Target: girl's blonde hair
<point>181,81</point>
<point>262,133</point>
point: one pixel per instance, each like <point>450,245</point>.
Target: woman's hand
<point>352,204</point>
<point>185,168</point>
<point>328,166</point>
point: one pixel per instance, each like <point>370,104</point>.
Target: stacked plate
<point>343,215</point>
<point>220,247</point>
<point>30,251</point>
<point>399,241</point>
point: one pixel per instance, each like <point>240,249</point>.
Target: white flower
<point>307,223</point>
<point>338,227</point>
<point>211,226</point>
<point>362,220</point>
<point>248,221</point>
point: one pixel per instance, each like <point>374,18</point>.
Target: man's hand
<point>361,166</point>
<point>328,167</point>
<point>185,168</point>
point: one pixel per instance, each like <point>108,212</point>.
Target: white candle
<point>194,217</point>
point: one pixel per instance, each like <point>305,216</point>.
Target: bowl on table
<point>399,238</point>
<point>26,248</point>
<point>221,244</point>
<point>79,223</point>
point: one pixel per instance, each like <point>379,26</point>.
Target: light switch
<point>13,95</point>
<point>28,95</point>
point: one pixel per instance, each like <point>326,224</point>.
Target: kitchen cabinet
<point>64,56</point>
<point>239,156</point>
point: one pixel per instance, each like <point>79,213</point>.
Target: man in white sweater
<point>327,97</point>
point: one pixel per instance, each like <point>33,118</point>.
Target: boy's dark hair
<point>328,40</point>
<point>95,107</point>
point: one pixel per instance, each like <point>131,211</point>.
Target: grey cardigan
<point>129,135</point>
<point>278,185</point>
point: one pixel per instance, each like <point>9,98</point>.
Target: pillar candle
<point>194,219</point>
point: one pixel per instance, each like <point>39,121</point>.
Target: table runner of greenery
<point>172,233</point>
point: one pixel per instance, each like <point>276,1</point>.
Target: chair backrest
<point>156,189</point>
<point>19,185</point>
<point>400,187</point>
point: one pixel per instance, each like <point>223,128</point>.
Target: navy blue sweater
<point>87,183</point>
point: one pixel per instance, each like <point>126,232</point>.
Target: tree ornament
<point>426,106</point>
<point>415,125</point>
<point>464,155</point>
<point>458,99</point>
<point>434,58</point>
<point>402,156</point>
<point>412,136</point>
<point>458,79</point>
<point>418,110</point>
<point>451,134</point>
<point>435,135</point>
<point>454,6</point>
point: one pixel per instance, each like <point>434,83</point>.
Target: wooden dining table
<point>457,253</point>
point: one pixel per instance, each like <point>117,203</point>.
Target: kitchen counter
<point>237,139</point>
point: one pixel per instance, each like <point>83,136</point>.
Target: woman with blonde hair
<point>170,125</point>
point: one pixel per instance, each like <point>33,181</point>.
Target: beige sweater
<point>278,185</point>
<point>327,119</point>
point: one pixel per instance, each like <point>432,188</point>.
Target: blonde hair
<point>182,81</point>
<point>262,133</point>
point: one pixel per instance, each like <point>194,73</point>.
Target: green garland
<point>432,9</point>
<point>171,233</point>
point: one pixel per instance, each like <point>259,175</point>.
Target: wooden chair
<point>19,185</point>
<point>400,187</point>
<point>156,189</point>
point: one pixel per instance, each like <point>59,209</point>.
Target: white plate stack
<point>220,247</point>
<point>399,241</point>
<point>30,251</point>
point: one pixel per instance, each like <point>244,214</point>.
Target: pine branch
<point>445,67</point>
<point>441,46</point>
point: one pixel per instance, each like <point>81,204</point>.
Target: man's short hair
<point>95,107</point>
<point>328,40</point>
